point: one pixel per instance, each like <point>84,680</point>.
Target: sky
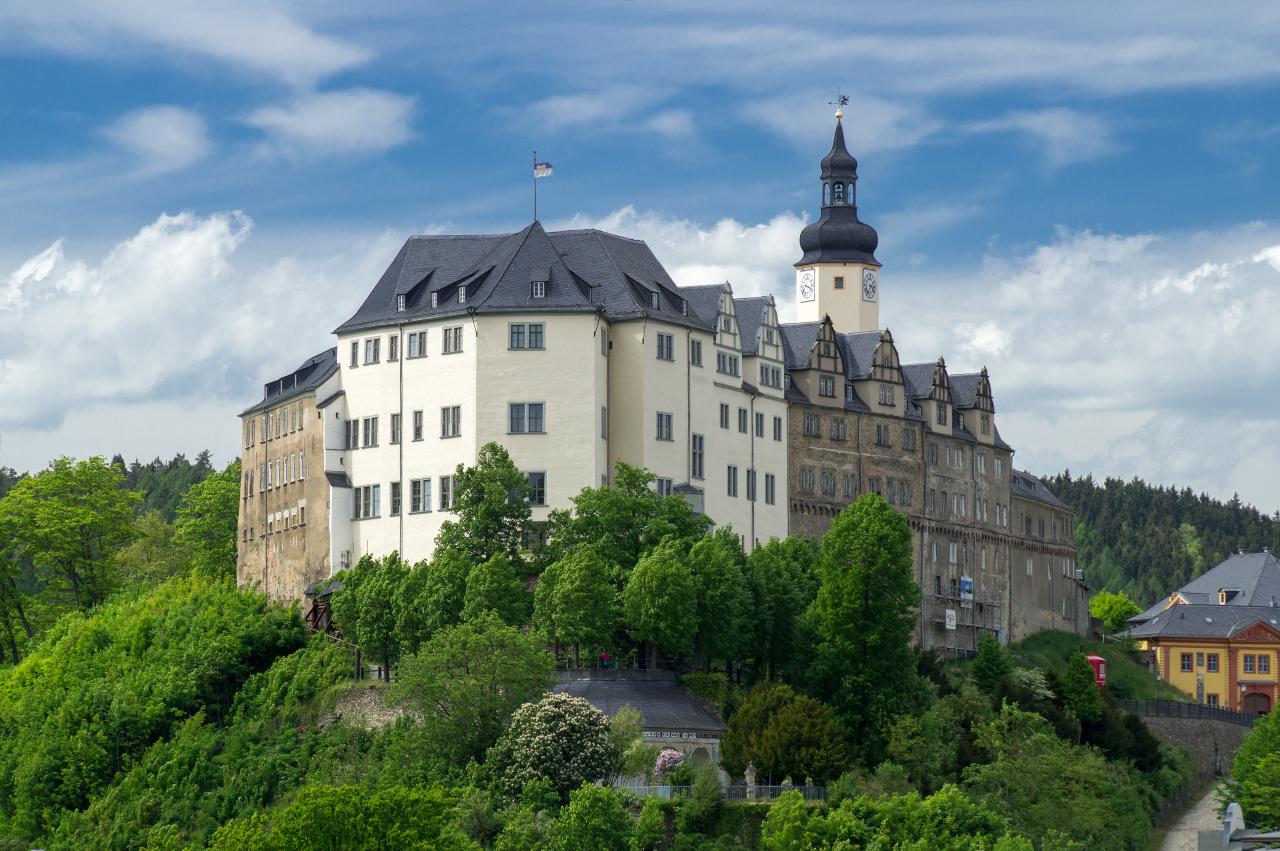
<point>1080,197</point>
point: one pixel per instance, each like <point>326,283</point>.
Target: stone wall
<point>1212,744</point>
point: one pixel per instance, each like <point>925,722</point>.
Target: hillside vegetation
<point>1126,678</point>
<point>1147,540</point>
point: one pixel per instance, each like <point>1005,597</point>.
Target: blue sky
<point>1080,198</point>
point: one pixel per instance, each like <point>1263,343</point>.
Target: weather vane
<point>839,103</point>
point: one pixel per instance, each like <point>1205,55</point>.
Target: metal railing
<point>1196,711</point>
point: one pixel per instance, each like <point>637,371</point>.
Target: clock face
<point>806,285</point>
<point>870,285</point>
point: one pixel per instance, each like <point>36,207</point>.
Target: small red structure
<point>1099,669</point>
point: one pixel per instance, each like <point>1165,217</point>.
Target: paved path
<point>1203,815</point>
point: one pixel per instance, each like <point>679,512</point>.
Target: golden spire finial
<point>840,103</point>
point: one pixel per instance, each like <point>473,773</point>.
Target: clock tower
<point>838,274</point>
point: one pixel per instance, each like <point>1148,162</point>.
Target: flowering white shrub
<point>561,739</point>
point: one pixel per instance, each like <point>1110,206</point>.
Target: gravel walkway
<point>1203,815</point>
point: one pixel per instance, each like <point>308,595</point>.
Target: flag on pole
<point>542,170</point>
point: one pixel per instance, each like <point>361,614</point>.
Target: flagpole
<point>534,174</point>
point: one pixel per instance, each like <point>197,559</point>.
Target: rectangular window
<point>417,425</point>
<point>839,428</point>
<point>933,454</point>
<point>839,282</point>
<point>953,551</point>
<point>1211,700</point>
<point>526,418</point>
<point>1248,663</point>
<point>604,423</point>
<point>848,485</point>
<point>777,428</point>
<point>1186,662</point>
<point>812,426</point>
<point>909,438</point>
<point>417,344</point>
<point>873,484</point>
<point>808,482</point>
<point>828,481</point>
<point>732,483</point>
<point>1264,663</point>
<point>355,353</point>
<point>446,493</point>
<point>535,335</point>
<point>666,347</point>
<point>516,336</point>
<point>698,456</point>
<point>462,295</point>
<point>395,428</point>
<point>452,339</point>
<point>826,386</point>
<point>371,350</point>
<point>884,437</point>
<point>664,426</point>
<point>393,347</point>
<point>537,488</point>
<point>941,410</point>
<point>538,289</point>
<point>451,421</point>
<point>1211,663</point>
<point>1200,660</point>
<point>999,467</point>
<point>724,415</point>
<point>695,352</point>
<point>770,486</point>
<point>662,486</point>
<point>424,494</point>
<point>904,492</point>
<point>886,394</point>
<point>367,502</point>
<point>759,425</point>
<point>395,497</point>
<point>742,420</point>
<point>751,485</point>
<point>985,423</point>
<point>370,432</point>
<point>727,364</point>
<point>525,335</point>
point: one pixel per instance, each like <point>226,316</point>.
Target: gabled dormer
<point>880,384</point>
<point>939,405</point>
<point>823,379</point>
<point>727,334</point>
<point>974,402</point>
<point>769,334</point>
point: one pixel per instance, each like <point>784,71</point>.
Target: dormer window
<point>684,307</point>
<point>435,299</point>
<point>462,295</point>
<point>538,289</point>
<point>400,300</point>
<point>653,301</point>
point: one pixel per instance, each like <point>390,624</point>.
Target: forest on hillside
<point>1149,540</point>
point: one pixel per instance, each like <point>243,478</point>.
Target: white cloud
<point>614,109</point>
<point>261,37</point>
<point>870,123</point>
<point>351,121</point>
<point>162,138</point>
<point>168,317</point>
<point>1066,136</point>
<point>672,124</point>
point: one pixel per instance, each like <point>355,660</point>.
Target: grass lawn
<point>1126,678</point>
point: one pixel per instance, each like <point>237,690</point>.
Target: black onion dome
<point>839,162</point>
<point>838,236</point>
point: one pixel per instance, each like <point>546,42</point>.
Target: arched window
<point>826,194</point>
<point>837,194</point>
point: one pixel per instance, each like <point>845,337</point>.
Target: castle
<point>575,350</point>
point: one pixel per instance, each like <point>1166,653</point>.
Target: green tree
<point>1114,610</point>
<point>1079,691</point>
<point>365,607</point>
<point>332,817</point>
<point>468,679</point>
<point>660,602</point>
<point>739,746</point>
<point>206,525</point>
<point>804,741</point>
<point>650,830</point>
<point>783,586</point>
<point>1255,774</point>
<point>575,602</point>
<point>595,818</point>
<point>491,506</point>
<point>992,665</point>
<point>864,617</point>
<point>68,522</point>
<point>433,597</point>
<point>722,595</point>
<point>494,587</point>
<point>153,555</point>
<point>622,522</point>
<point>561,739</point>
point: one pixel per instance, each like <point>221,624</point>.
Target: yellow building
<point>1218,637</point>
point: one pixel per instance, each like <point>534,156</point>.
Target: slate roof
<point>919,379</point>
<point>859,349</point>
<point>1255,577</point>
<point>664,704</point>
<point>1204,621</point>
<point>704,301</point>
<point>1028,486</point>
<point>584,271</point>
<point>750,314</point>
<point>964,389</point>
<point>797,342</point>
<point>313,372</point>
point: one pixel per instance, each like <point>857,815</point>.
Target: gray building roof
<point>919,379</point>
<point>313,372</point>
<point>859,349</point>
<point>1027,486</point>
<point>1251,580</point>
<point>1204,621</point>
<point>750,312</point>
<point>664,704</point>
<point>964,389</point>
<point>583,270</point>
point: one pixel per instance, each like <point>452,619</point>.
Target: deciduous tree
<point>561,739</point>
<point>1114,610</point>
<point>660,601</point>
<point>365,607</point>
<point>722,596</point>
<point>575,602</point>
<point>491,508</point>
<point>206,523</point>
<point>494,587</point>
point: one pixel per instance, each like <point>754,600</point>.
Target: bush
<point>1255,773</point>
<point>561,739</point>
<point>594,819</point>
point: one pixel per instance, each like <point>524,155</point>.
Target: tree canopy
<point>490,506</point>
